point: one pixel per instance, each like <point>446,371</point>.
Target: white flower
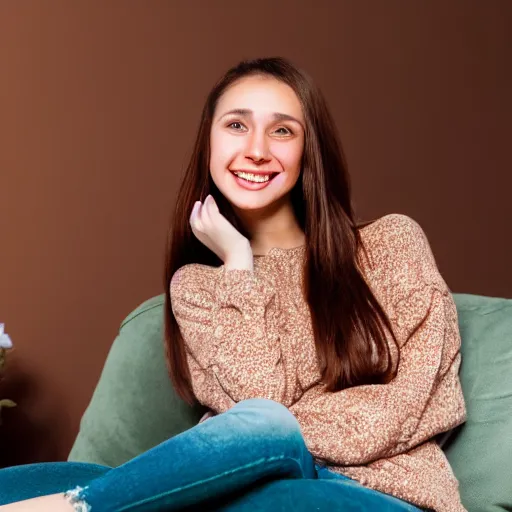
<point>5,340</point>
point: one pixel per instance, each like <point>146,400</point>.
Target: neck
<point>270,228</point>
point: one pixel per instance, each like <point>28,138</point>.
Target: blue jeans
<point>250,458</point>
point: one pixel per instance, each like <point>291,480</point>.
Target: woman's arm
<point>365,423</point>
<point>233,352</point>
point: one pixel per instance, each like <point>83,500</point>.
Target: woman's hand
<point>206,416</point>
<point>212,229</point>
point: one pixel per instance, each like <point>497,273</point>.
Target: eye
<point>287,130</point>
<point>233,123</point>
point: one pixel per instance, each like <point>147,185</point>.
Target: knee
<point>269,417</point>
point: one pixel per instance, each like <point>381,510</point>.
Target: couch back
<point>134,406</point>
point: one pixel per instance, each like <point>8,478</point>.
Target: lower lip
<point>251,185</point>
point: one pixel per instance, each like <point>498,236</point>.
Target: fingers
<point>208,211</point>
<point>202,213</point>
<point>194,216</point>
<point>212,203</point>
<point>210,208</point>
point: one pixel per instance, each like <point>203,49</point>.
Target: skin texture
<point>255,141</point>
<point>52,503</point>
<point>258,141</point>
<point>213,230</point>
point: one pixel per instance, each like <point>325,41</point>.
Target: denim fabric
<point>252,457</point>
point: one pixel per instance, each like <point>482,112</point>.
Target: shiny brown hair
<point>346,317</point>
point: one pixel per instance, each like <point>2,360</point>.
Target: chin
<point>250,205</point>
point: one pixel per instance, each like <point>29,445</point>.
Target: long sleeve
<point>364,423</point>
<point>233,352</point>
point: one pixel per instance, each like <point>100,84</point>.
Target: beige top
<point>248,335</point>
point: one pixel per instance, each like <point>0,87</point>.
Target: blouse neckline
<point>274,251</point>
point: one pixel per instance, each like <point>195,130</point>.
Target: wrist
<point>241,258</point>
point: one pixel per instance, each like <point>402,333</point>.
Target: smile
<point>255,178</point>
<point>250,181</point>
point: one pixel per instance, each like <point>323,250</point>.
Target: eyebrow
<point>246,112</point>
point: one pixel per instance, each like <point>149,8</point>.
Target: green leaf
<point>7,403</point>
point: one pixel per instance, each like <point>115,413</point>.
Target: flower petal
<point>5,341</point>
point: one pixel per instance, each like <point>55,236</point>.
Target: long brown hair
<point>346,317</point>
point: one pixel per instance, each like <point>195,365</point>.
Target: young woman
<point>326,351</point>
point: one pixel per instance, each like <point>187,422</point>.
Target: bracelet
<point>74,496</point>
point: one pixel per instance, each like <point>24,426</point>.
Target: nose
<point>257,148</point>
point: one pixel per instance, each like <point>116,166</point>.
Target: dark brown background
<point>99,103</point>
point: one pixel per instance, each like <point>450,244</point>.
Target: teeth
<point>253,177</point>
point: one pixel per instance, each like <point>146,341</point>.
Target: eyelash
<point>238,122</point>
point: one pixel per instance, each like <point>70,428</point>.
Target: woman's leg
<point>329,493</point>
<point>256,439</point>
<point>31,480</point>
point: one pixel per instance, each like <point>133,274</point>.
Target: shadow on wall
<point>24,440</point>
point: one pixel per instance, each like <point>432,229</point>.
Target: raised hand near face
<point>212,229</point>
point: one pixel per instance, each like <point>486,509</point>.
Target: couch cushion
<point>481,451</point>
<point>134,406</point>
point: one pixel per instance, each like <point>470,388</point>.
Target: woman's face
<point>265,133</point>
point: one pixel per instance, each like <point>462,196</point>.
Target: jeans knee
<point>269,415</point>
<point>270,431</point>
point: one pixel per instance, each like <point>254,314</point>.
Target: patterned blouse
<point>248,334</point>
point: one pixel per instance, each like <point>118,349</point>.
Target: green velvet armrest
<point>134,406</point>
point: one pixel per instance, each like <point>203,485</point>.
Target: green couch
<point>134,406</point>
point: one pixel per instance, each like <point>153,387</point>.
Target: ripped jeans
<point>250,458</point>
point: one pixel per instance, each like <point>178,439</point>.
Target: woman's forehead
<point>260,96</point>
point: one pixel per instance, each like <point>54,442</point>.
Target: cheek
<point>290,155</point>
<point>223,148</point>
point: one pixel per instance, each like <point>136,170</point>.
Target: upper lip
<point>264,173</point>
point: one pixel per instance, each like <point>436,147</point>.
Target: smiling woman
<point>333,357</point>
<point>258,129</point>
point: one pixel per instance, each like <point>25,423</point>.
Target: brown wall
<point>99,103</point>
